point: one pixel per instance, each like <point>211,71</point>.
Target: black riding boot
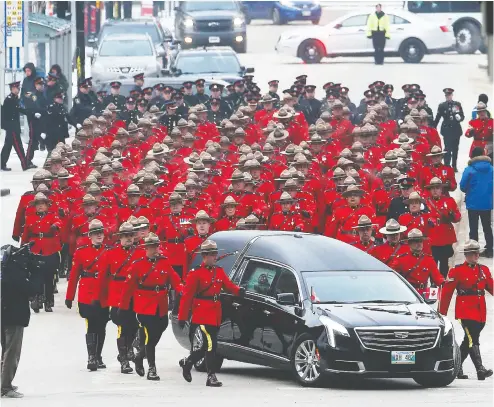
<point>482,372</point>
<point>92,343</point>
<point>141,352</point>
<point>464,354</point>
<point>122,355</point>
<point>130,348</point>
<point>99,349</point>
<point>211,381</point>
<point>186,366</point>
<point>152,374</point>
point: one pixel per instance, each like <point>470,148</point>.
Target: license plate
<point>306,13</point>
<point>402,357</point>
<point>214,40</point>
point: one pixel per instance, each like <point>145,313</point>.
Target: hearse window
<point>286,283</point>
<point>258,277</point>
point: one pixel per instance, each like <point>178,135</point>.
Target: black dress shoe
<point>31,166</point>
<point>212,381</point>
<point>186,369</point>
<point>6,169</point>
<point>48,308</point>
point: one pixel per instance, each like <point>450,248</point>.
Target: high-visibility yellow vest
<point>378,24</point>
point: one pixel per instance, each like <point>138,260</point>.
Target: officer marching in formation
<point>138,193</point>
<point>470,280</point>
<point>201,299</point>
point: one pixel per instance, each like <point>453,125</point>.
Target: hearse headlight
<point>448,326</point>
<point>333,329</point>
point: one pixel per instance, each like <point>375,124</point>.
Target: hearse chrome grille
<point>398,338</point>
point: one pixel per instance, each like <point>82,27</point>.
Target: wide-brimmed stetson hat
<point>208,247</point>
<point>436,150</point>
<point>286,198</point>
<point>95,226</point>
<point>392,227</point>
<point>364,222</point>
<point>151,240</point>
<point>413,197</point>
<point>126,228</point>
<point>434,182</point>
<point>202,215</point>
<point>353,190</point>
<point>415,235</point>
<point>471,246</point>
<point>230,201</point>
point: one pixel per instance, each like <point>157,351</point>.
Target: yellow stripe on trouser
<point>147,336</point>
<point>87,324</point>
<point>467,332</point>
<point>208,338</point>
<point>119,331</point>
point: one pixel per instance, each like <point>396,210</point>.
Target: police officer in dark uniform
<point>389,99</point>
<point>273,92</point>
<point>52,87</point>
<point>452,114</point>
<point>182,108</point>
<point>92,93</point>
<point>147,93</point>
<point>215,115</point>
<point>139,82</point>
<point>216,91</point>
<point>310,104</point>
<point>200,94</point>
<point>57,122</point>
<point>170,118</point>
<point>100,98</point>
<point>83,106</point>
<point>129,114</point>
<point>12,125</point>
<point>189,98</point>
<point>116,98</point>
<point>237,97</point>
<point>142,107</point>
<point>36,106</point>
<point>398,206</point>
<point>158,100</point>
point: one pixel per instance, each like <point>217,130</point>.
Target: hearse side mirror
<point>286,299</point>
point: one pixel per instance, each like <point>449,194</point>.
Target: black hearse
<point>318,306</point>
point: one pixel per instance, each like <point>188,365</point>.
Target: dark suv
<point>200,23</point>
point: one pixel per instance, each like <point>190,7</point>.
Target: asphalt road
<point>52,367</point>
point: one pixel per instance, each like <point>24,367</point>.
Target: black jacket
<point>448,111</point>
<point>28,87</point>
<point>16,290</point>
<point>10,113</point>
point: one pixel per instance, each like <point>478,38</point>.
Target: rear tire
<point>311,52</point>
<point>468,38</point>
<point>441,379</point>
<point>412,51</point>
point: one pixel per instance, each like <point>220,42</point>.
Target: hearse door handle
<point>235,304</point>
<point>266,312</point>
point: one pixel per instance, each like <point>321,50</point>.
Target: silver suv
<point>121,56</point>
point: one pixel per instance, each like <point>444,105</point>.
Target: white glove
<point>43,135</point>
<point>78,125</point>
<point>457,117</point>
<point>37,115</point>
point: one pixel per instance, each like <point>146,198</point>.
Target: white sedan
<point>411,38</point>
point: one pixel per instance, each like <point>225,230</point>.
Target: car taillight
<point>444,28</point>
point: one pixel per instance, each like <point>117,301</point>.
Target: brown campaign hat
<point>286,198</point>
<point>237,176</point>
<point>470,246</point>
<point>436,150</point>
<point>434,182</point>
<point>202,215</point>
<point>363,222</point>
<point>96,226</point>
<point>392,227</point>
<point>133,189</point>
<point>126,228</point>
<point>415,235</point>
<point>230,201</point>
<point>208,247</point>
<point>413,197</point>
<point>64,174</point>
<point>151,240</point>
<point>481,107</point>
<point>352,190</point>
<point>88,199</point>
<point>175,198</point>
<point>40,197</point>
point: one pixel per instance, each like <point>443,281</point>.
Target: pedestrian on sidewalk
<point>476,183</point>
<point>378,30</point>
<point>16,290</point>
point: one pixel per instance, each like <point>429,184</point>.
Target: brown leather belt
<point>480,293</point>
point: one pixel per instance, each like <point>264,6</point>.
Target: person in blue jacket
<point>476,183</point>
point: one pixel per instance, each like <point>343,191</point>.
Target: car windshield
<point>212,63</point>
<point>209,5</point>
<point>126,48</point>
<point>345,287</point>
<point>149,29</point>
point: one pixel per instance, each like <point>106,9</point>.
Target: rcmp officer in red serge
<point>393,246</point>
<point>86,266</point>
<point>364,229</point>
<point>116,264</point>
<point>148,281</point>
<point>470,280</point>
<point>43,229</point>
<point>202,299</point>
<point>416,266</point>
